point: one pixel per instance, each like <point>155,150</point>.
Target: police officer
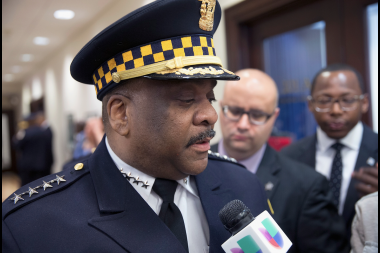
<point>151,185</point>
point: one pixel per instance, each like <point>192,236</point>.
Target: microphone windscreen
<point>231,211</point>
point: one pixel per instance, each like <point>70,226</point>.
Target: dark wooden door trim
<point>345,32</point>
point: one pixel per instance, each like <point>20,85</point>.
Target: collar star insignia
<point>60,179</point>
<point>145,184</point>
<point>16,198</point>
<point>137,180</point>
<point>46,185</point>
<point>129,176</point>
<point>31,191</point>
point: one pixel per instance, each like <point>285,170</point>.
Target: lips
<point>239,138</point>
<point>202,145</point>
<point>336,126</point>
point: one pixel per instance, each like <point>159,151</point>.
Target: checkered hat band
<point>158,51</point>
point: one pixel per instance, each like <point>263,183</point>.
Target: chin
<point>336,134</point>
<point>241,147</point>
<point>195,167</point>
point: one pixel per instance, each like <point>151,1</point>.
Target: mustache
<point>201,136</point>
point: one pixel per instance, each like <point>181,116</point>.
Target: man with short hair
<point>343,149</point>
<point>34,146</point>
<point>150,185</point>
<point>300,199</point>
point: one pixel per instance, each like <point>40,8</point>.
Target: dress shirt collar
<point>251,163</point>
<point>352,140</point>
<point>188,183</point>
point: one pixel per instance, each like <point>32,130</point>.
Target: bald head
<point>256,93</point>
<point>254,81</point>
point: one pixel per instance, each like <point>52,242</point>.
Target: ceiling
<point>23,20</point>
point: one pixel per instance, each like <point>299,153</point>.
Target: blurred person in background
<point>88,139</point>
<point>33,145</point>
<point>365,226</point>
<point>302,204</point>
<point>343,149</point>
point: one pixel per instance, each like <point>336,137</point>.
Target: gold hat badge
<point>206,22</point>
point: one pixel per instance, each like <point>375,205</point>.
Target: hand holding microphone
<point>250,234</point>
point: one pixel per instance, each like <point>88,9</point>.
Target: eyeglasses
<point>256,117</point>
<point>346,103</point>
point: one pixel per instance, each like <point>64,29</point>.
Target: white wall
<point>220,41</point>
<point>63,95</point>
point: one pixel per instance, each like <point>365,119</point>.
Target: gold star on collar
<point>145,184</point>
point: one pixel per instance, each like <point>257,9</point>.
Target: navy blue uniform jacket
<point>97,210</point>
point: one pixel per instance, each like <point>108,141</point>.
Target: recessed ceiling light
<point>8,77</point>
<point>16,69</point>
<point>26,57</point>
<point>42,41</point>
<point>64,14</point>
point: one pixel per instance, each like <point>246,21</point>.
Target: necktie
<point>170,213</point>
<point>336,173</point>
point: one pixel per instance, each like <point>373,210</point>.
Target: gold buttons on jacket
<point>78,166</point>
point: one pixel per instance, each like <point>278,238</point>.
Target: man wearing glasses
<point>343,149</point>
<point>299,197</point>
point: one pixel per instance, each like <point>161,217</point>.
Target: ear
<point>365,104</point>
<point>310,106</point>
<point>118,112</point>
<point>276,113</point>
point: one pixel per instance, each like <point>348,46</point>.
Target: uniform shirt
<point>186,198</point>
<point>325,155</point>
<point>251,163</point>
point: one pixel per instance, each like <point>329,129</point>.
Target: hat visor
<point>207,71</point>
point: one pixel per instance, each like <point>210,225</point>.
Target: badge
<point>206,22</point>
<point>371,161</point>
<point>269,186</point>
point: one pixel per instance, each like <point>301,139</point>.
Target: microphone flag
<point>262,235</point>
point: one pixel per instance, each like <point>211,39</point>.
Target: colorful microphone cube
<point>262,235</point>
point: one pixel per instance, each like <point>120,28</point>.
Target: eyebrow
<point>344,94</point>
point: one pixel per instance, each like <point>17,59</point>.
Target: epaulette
<point>221,157</point>
<point>43,187</point>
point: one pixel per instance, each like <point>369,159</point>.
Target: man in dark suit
<point>343,149</point>
<point>299,196</point>
<point>150,185</point>
<point>34,149</point>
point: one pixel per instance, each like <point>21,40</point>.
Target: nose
<point>206,114</point>
<point>243,123</point>
<point>336,109</point>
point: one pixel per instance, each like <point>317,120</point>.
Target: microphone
<point>250,234</point>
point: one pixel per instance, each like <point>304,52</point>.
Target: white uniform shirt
<point>325,155</point>
<point>186,198</point>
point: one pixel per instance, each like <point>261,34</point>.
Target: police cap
<point>166,39</point>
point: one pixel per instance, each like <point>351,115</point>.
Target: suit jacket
<point>305,151</point>
<point>97,210</point>
<point>35,152</point>
<point>302,204</point>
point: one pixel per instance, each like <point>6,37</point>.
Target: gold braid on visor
<point>176,63</point>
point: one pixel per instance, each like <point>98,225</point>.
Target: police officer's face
<point>166,117</point>
<point>337,123</point>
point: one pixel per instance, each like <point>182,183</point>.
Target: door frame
<point>349,23</point>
